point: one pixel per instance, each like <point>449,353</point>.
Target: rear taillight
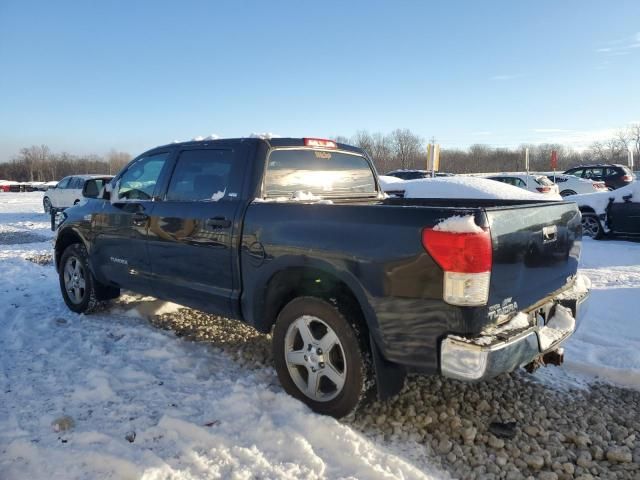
<point>543,189</point>
<point>466,260</point>
<point>627,178</point>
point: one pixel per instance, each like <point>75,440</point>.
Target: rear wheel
<point>566,193</point>
<point>46,203</point>
<point>320,357</point>
<point>591,226</point>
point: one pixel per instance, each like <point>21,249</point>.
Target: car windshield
<point>318,172</point>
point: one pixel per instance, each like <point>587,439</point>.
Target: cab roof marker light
<point>319,142</point>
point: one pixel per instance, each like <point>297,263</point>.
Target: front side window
<point>204,175</point>
<point>75,183</point>
<point>320,173</point>
<point>138,182</point>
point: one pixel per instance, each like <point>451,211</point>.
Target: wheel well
<point>288,284</point>
<point>586,210</point>
<point>65,238</point>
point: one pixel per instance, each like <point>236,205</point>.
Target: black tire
<point>566,193</point>
<point>358,377</point>
<point>87,294</point>
<point>591,226</point>
<point>46,204</point>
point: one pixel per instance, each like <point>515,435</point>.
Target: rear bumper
<point>505,349</point>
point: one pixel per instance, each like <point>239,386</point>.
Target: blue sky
<point>87,76</point>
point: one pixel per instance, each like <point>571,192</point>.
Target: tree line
<point>39,164</point>
<point>400,149</point>
<point>403,149</point>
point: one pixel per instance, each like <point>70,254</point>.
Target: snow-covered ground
<point>196,412</point>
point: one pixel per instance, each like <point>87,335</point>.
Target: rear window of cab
<point>321,173</point>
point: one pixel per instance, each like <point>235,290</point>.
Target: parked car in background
<point>70,190</point>
<point>531,182</point>
<point>613,175</point>
<point>616,212</point>
<point>49,185</point>
<point>415,174</point>
<point>572,185</point>
<point>11,186</point>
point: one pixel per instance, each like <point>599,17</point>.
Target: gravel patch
<point>44,259</point>
<point>536,432</point>
<point>21,237</point>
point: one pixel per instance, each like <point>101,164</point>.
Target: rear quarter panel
<point>377,251</point>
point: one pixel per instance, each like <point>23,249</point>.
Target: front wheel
<point>321,359</point>
<point>591,226</point>
<point>76,281</point>
<point>566,193</point>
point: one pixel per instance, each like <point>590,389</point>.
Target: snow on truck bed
<point>460,187</point>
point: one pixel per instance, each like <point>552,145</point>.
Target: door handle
<point>218,222</point>
<point>139,218</point>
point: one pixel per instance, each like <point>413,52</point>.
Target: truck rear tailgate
<point>536,249</point>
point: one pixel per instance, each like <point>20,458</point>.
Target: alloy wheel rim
<point>315,358</point>
<point>590,226</point>
<point>74,280</point>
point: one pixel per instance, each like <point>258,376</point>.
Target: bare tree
<point>407,148</point>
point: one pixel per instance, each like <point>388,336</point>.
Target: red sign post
<point>554,159</point>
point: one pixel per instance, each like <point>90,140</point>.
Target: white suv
<point>69,191</point>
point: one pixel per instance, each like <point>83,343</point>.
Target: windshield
<point>318,172</point>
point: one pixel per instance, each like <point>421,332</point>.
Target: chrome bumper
<point>484,357</point>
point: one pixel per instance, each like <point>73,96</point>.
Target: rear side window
<point>577,173</point>
<point>204,175</point>
<point>318,172</point>
<point>596,172</point>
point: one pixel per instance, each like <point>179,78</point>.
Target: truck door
<point>119,246</point>
<point>194,229</point>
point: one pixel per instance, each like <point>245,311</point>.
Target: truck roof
<point>271,142</point>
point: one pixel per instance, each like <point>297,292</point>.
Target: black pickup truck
<point>295,237</point>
